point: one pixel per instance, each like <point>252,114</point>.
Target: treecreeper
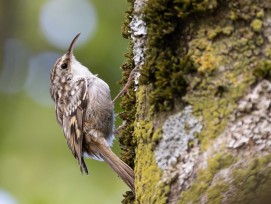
<point>85,112</point>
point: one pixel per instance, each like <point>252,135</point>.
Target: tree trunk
<point>198,119</point>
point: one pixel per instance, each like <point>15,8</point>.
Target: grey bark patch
<point>251,123</point>
<point>178,133</point>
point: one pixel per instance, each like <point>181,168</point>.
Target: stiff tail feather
<point>122,169</point>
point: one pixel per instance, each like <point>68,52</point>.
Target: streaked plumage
<point>84,110</point>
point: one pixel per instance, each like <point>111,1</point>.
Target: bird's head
<point>67,63</point>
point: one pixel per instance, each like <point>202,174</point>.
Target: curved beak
<point>70,50</point>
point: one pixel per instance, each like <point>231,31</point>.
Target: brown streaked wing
<point>73,120</point>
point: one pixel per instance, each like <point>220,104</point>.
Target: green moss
<point>259,41</point>
<point>228,30</point>
<point>216,192</point>
<point>224,65</point>
<point>256,25</point>
<point>208,67</point>
<point>145,130</point>
<point>214,105</point>
<point>149,176</point>
<point>262,70</point>
<point>260,14</point>
<point>127,144</point>
<point>203,183</point>
<point>171,72</point>
<point>233,15</point>
<point>253,182</point>
<point>149,188</point>
<point>249,184</point>
<point>126,141</point>
<point>167,64</point>
<point>212,34</point>
<point>207,63</point>
<point>157,135</point>
<point>125,27</point>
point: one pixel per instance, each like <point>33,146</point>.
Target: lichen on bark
<point>208,55</point>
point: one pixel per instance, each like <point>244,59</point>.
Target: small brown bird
<point>85,111</point>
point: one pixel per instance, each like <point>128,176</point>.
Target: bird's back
<point>99,119</point>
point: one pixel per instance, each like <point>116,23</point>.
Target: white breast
<point>79,71</point>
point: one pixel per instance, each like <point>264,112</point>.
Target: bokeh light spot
<point>61,20</point>
<point>38,79</point>
<point>12,76</point>
<point>6,198</point>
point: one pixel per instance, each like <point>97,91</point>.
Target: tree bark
<point>198,117</point>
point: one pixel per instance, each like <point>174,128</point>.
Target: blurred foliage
<point>36,165</point>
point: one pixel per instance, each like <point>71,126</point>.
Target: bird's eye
<point>64,66</point>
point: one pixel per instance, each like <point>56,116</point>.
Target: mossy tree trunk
<point>198,118</point>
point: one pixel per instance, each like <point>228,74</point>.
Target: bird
<point>85,112</point>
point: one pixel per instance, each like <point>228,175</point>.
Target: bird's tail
<point>123,170</point>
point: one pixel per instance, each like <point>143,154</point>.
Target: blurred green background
<point>36,166</point>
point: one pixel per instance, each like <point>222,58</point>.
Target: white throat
<point>78,70</point>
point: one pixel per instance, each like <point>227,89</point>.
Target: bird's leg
<point>122,126</point>
<point>128,83</point>
<point>125,90</point>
